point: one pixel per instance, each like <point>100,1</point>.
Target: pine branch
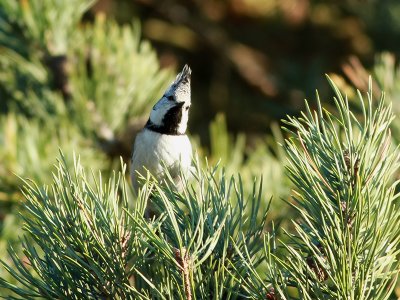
<point>83,241</point>
<point>90,243</point>
<point>184,260</point>
<point>348,238</point>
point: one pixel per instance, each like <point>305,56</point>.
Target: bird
<point>163,141</point>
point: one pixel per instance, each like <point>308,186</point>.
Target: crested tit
<point>163,140</point>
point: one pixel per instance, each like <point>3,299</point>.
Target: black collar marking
<point>171,122</point>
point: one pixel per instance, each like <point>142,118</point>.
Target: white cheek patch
<point>183,124</point>
<point>159,111</point>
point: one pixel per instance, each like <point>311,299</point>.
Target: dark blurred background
<point>257,60</point>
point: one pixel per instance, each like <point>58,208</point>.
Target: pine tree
<point>64,82</point>
<point>91,241</point>
<point>346,242</point>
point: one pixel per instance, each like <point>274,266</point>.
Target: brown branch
<point>183,260</point>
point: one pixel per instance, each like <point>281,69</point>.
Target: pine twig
<point>183,260</point>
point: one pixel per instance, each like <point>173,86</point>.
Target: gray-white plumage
<point>163,140</point>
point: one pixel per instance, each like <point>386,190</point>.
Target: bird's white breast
<point>152,148</point>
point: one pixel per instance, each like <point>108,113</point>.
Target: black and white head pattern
<point>171,113</point>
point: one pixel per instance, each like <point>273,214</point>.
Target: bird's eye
<point>170,98</point>
<point>187,107</point>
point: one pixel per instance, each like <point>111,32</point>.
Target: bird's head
<point>171,113</point>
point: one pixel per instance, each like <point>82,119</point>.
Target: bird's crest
<point>179,90</point>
